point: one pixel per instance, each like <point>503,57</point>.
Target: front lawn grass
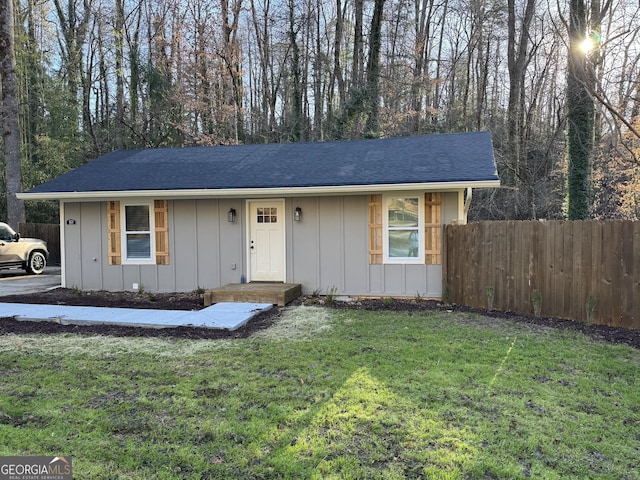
<point>329,394</point>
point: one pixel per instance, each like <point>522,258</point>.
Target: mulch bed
<point>194,301</point>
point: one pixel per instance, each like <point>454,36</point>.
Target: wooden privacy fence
<point>50,233</point>
<point>581,270</point>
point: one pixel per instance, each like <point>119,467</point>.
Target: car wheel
<point>37,262</point>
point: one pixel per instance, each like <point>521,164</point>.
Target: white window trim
<point>123,234</point>
<point>385,228</point>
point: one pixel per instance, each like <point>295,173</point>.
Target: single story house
<point>362,217</point>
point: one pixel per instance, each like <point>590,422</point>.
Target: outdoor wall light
<point>231,215</point>
<point>297,214</point>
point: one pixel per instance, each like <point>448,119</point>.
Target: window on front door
<point>267,215</point>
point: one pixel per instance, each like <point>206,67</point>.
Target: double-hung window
<point>403,229</point>
<point>137,235</point>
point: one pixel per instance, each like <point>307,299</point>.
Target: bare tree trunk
<point>372,127</point>
<point>232,58</point>
<point>9,115</point>
<point>31,91</point>
<point>357,77</point>
<point>436,102</point>
<point>517,53</point>
<point>133,43</point>
<point>482,75</point>
<point>598,11</point>
<point>423,18</point>
<point>337,69</point>
<point>267,113</point>
<point>74,25</point>
<point>119,47</point>
<point>318,98</point>
<point>296,107</point>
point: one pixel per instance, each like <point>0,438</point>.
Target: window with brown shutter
<point>161,212</point>
<point>375,229</point>
<point>113,233</point>
<point>433,228</point>
<point>161,232</point>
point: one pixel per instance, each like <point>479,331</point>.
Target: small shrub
<point>590,305</point>
<point>388,301</point>
<point>446,294</point>
<point>76,291</point>
<point>491,295</point>
<point>418,297</point>
<point>536,299</point>
<point>141,289</point>
<point>316,293</point>
<point>330,297</point>
<point>199,291</point>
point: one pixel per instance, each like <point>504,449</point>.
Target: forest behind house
<point>98,75</point>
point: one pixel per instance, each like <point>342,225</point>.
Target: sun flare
<point>587,45</point>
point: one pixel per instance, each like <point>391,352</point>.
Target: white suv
<point>28,253</point>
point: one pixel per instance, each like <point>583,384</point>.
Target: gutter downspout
<point>467,204</point>
<point>63,256</point>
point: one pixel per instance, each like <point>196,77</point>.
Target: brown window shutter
<point>113,233</point>
<point>375,229</point>
<point>161,212</point>
<point>433,228</point>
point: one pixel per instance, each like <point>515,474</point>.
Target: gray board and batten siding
<point>327,248</point>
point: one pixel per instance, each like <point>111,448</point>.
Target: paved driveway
<point>18,282</point>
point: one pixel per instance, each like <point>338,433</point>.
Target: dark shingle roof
<point>458,157</point>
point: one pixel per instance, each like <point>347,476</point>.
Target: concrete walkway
<point>224,315</point>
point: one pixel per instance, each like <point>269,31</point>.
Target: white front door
<point>266,241</point>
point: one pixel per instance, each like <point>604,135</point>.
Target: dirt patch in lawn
<point>259,324</point>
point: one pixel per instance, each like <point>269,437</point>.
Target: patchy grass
<point>329,394</point>
<point>304,323</point>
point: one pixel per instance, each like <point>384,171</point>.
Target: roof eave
<point>257,192</point>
